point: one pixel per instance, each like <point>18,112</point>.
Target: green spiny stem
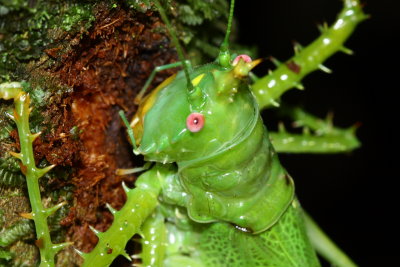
<point>39,213</point>
<point>141,202</point>
<point>269,88</point>
<point>302,118</point>
<point>325,139</point>
<point>285,142</point>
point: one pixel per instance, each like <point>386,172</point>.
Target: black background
<point>351,196</point>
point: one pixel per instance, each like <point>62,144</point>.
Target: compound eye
<point>195,122</point>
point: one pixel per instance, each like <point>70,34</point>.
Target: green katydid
<point>218,195</point>
<point>227,171</point>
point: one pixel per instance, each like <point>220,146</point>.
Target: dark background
<point>351,196</point>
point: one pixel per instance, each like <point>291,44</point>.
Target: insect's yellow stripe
<point>148,102</point>
<point>197,80</point>
<point>145,105</point>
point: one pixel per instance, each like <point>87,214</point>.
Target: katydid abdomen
<point>284,244</point>
<point>221,244</point>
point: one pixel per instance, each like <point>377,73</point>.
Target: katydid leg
<point>140,95</point>
<point>269,88</point>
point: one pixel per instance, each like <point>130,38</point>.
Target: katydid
<point>217,194</point>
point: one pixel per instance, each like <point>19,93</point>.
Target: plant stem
<point>39,214</point>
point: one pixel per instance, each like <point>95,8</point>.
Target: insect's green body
<point>228,172</point>
<point>285,244</point>
<point>228,169</point>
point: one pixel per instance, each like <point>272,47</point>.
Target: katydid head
<point>176,124</point>
<point>197,112</point>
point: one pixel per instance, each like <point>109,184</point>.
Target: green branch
<point>269,88</point>
<point>39,213</point>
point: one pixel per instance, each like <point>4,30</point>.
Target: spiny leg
<point>131,135</point>
<point>145,167</point>
<point>269,88</point>
<point>137,210</point>
<point>140,204</point>
<point>319,136</point>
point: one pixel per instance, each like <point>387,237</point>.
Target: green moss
<point>17,231</point>
<point>25,30</point>
<point>77,15</point>
<point>10,174</point>
<point>5,256</point>
<point>6,125</point>
<point>140,5</point>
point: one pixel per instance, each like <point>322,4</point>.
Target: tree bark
<point>83,61</point>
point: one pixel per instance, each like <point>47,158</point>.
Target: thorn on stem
<point>126,256</point>
<point>28,215</point>
<point>297,47</point>
<point>96,232</point>
<point>274,103</point>
<point>34,136</point>
<point>299,86</point>
<point>41,172</point>
<point>125,187</point>
<point>80,253</point>
<point>281,127</point>
<point>136,256</point>
<point>323,27</point>
<point>58,247</point>
<point>324,68</point>
<point>53,209</point>
<point>111,209</point>
<point>306,131</point>
<point>16,155</point>
<point>276,62</point>
<point>346,50</point>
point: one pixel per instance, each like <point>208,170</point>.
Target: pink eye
<point>246,58</point>
<point>195,122</point>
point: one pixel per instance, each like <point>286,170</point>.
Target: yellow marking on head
<point>145,105</point>
<point>197,80</point>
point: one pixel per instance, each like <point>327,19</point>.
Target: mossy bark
<point>82,62</point>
